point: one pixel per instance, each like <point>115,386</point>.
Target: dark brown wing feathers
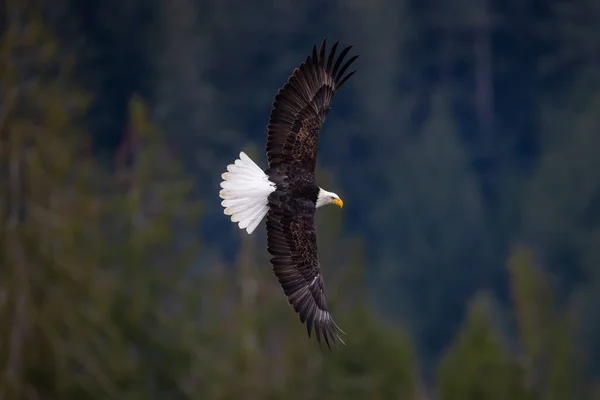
<point>301,105</point>
<point>292,242</point>
<point>299,111</point>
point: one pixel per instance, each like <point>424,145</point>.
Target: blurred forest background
<point>465,264</point>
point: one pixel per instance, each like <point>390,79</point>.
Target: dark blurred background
<point>465,264</point>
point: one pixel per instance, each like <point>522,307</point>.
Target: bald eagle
<point>286,192</point>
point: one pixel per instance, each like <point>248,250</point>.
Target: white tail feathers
<point>245,191</point>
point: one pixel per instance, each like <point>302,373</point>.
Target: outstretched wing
<point>300,108</point>
<point>292,241</point>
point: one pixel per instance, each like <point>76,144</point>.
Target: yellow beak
<point>338,202</point>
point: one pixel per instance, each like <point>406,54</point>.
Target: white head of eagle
<point>286,192</point>
<point>326,197</point>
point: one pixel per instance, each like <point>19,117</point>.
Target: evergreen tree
<point>55,330</point>
<point>151,232</point>
<point>478,366</point>
<point>441,252</point>
<point>553,365</point>
<point>561,208</point>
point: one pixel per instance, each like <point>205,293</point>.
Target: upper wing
<point>292,241</point>
<point>300,108</point>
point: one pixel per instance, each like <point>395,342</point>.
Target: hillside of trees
<point>463,266</point>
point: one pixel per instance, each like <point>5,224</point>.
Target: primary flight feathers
<point>301,105</point>
<point>286,192</point>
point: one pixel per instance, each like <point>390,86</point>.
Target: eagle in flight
<point>286,192</point>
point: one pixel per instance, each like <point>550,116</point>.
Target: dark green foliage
<point>478,366</point>
<point>552,363</point>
